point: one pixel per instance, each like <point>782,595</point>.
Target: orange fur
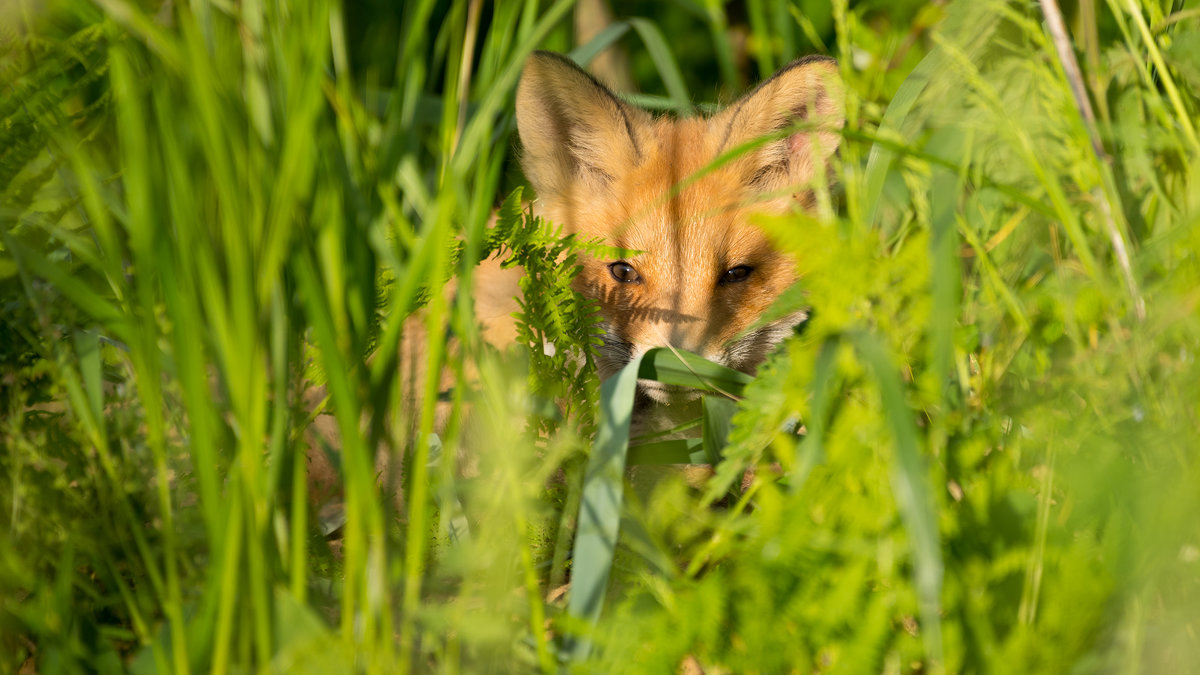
<point>603,168</point>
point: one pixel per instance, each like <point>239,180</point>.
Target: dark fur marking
<point>762,178</point>
<point>729,128</point>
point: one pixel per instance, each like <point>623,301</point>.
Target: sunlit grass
<point>210,210</point>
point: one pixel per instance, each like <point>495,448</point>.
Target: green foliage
<point>978,456</point>
<point>559,325</point>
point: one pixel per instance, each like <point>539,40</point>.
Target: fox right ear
<point>809,94</point>
<point>572,127</point>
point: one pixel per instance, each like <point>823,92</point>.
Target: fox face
<point>704,274</point>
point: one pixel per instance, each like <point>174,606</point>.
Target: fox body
<point>704,273</point>
<point>701,274</point>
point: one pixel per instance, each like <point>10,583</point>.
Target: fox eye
<point>737,274</point>
<point>624,272</point>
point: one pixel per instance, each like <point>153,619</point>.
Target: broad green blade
<point>945,281</point>
<point>87,346</point>
<point>584,54</point>
<point>881,158</point>
<point>600,507</point>
<point>911,489</point>
<point>75,288</point>
<point>677,451</point>
<point>811,449</point>
<point>603,486</point>
<point>717,415</point>
<point>664,60</point>
<point>671,366</point>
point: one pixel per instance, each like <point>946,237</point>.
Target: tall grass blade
<point>881,158</point>
<point>600,509</point>
<point>811,449</point>
<point>583,54</point>
<point>664,61</point>
<point>911,488</point>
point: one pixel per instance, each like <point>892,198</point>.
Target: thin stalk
<point>718,28</point>
<point>418,497</point>
<point>465,70</point>
<point>1182,117</point>
<point>1070,68</point>
<point>533,594</point>
<point>1035,566</point>
<point>229,584</point>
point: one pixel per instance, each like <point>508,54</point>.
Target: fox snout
<point>744,350</point>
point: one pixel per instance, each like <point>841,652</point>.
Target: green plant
<point>204,207</point>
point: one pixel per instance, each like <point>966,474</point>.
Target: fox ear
<point>807,94</point>
<point>572,127</point>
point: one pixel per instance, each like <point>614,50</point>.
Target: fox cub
<point>705,274</point>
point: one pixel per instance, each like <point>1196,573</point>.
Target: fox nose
<point>688,334</point>
<point>685,322</point>
<point>688,341</point>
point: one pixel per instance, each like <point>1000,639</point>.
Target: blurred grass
<point>208,210</point>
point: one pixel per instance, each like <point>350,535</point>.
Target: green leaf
<point>812,448</point>
<point>680,368</point>
<point>717,413</point>
<point>75,288</point>
<point>882,157</point>
<point>583,54</point>
<point>664,60</point>
<point>676,451</point>
<point>87,347</point>
<point>911,489</point>
<point>600,506</point>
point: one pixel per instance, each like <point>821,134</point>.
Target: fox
<point>703,274</point>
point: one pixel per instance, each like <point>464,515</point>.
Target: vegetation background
<point>216,220</point>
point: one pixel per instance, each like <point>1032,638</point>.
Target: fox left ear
<point>572,127</point>
<point>807,95</point>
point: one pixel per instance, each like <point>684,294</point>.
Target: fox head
<point>705,274</point>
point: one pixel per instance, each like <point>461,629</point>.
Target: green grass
<point>208,210</point>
